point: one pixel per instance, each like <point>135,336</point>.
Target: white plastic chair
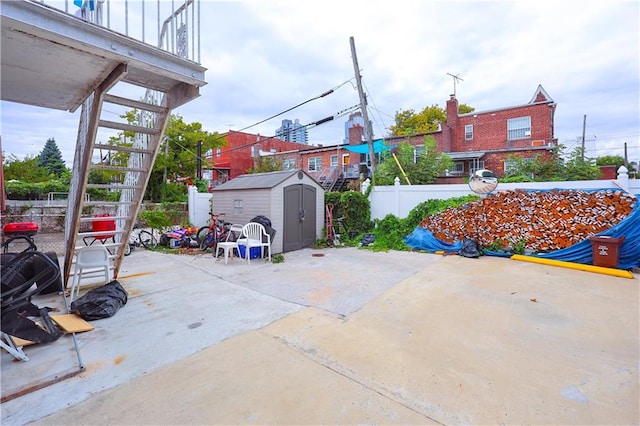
<point>95,258</point>
<point>254,235</point>
<point>229,246</point>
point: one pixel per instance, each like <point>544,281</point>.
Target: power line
<point>375,108</point>
<point>312,124</point>
<point>309,125</point>
<point>322,95</point>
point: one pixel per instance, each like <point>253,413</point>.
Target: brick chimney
<point>356,135</point>
<point>452,111</point>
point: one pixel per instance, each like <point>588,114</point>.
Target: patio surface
<point>349,337</point>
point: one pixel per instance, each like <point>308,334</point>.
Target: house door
<point>299,217</point>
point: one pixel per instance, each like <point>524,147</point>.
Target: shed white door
<point>299,217</point>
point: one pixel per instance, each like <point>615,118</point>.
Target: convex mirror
<point>483,181</point>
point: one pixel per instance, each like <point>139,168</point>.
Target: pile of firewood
<point>542,220</point>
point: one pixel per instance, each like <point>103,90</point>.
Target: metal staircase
<point>98,64</point>
<point>129,164</point>
<point>131,172</point>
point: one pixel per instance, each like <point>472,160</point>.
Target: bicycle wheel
<point>147,240</point>
<point>202,237</point>
<point>128,248</point>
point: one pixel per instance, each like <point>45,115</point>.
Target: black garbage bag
<point>469,248</point>
<point>101,302</point>
<point>367,239</point>
<point>266,222</point>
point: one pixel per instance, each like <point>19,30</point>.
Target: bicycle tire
<point>147,240</point>
<point>201,237</point>
<point>128,248</point>
<point>207,242</point>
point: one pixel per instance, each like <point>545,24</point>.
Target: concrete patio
<point>345,336</point>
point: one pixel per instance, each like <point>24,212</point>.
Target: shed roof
<point>258,180</point>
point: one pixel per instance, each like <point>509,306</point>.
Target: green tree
<point>27,170</point>
<point>465,109</point>
<point>538,168</point>
<point>579,167</point>
<point>177,160</point>
<point>553,168</point>
<point>422,165</point>
<point>408,122</point>
<point>610,160</point>
<point>51,159</point>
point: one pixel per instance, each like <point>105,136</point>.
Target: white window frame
<point>475,165</point>
<point>468,132</point>
<point>333,161</point>
<point>519,128</point>
<point>237,207</point>
<point>418,151</point>
<point>314,164</point>
<point>288,164</point>
<point>458,167</point>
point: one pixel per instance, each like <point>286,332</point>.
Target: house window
<point>475,165</point>
<point>333,160</point>
<point>519,128</point>
<point>288,164</point>
<point>468,132</point>
<point>237,207</point>
<point>218,152</point>
<point>315,164</point>
<point>418,151</point>
<point>458,167</point>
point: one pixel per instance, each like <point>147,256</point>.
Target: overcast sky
<point>263,57</point>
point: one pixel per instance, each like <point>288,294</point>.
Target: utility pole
<point>199,161</point>
<point>584,129</point>
<point>363,106</point>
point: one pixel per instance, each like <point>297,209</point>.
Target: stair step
<point>127,127</point>
<point>100,233</point>
<point>120,148</point>
<point>117,168</point>
<point>118,100</point>
<point>114,186</point>
<point>107,203</point>
<point>102,218</point>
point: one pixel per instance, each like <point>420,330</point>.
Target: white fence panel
<point>199,207</point>
<point>399,200</point>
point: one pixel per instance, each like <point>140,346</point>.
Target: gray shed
<point>291,199</point>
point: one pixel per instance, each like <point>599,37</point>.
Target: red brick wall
<point>490,128</point>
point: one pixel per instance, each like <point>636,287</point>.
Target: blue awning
<point>378,146</point>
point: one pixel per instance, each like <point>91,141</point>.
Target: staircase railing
<point>141,20</point>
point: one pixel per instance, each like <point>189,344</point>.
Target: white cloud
<point>265,57</point>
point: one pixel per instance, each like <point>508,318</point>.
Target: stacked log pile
<point>543,220</point>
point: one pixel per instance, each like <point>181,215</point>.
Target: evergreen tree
<point>51,159</point>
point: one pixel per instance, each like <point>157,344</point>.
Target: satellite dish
<point>483,181</point>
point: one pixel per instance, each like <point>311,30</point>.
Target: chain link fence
<point>49,217</point>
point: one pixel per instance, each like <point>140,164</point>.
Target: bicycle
<point>140,237</point>
<point>209,236</point>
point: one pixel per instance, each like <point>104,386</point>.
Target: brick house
<point>477,140</point>
<point>484,139</point>
<point>240,151</point>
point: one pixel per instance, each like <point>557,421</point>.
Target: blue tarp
<point>378,146</point>
<point>582,252</point>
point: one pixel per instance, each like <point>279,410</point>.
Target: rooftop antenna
<point>455,79</point>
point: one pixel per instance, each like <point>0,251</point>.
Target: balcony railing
<point>171,25</point>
